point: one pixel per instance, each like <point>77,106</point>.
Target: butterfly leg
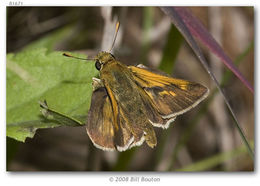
<point>97,83</point>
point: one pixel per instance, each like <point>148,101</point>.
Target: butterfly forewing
<point>169,96</point>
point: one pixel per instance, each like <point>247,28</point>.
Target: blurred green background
<point>204,139</point>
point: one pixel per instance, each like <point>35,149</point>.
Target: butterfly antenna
<point>116,31</point>
<point>68,55</point>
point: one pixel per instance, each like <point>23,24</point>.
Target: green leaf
<point>35,75</point>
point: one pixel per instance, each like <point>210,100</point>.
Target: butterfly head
<point>102,58</point>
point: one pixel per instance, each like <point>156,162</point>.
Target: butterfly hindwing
<point>101,127</point>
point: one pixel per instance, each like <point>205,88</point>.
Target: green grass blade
<point>147,26</point>
<point>215,160</point>
<point>171,50</point>
<point>51,40</point>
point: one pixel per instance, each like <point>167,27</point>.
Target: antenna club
<point>67,55</point>
<point>117,25</point>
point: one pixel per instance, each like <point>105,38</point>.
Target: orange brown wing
<point>100,125</point>
<point>166,97</point>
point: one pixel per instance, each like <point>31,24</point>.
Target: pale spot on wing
<point>183,87</point>
<point>167,93</point>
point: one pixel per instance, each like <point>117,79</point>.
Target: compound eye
<point>98,65</point>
